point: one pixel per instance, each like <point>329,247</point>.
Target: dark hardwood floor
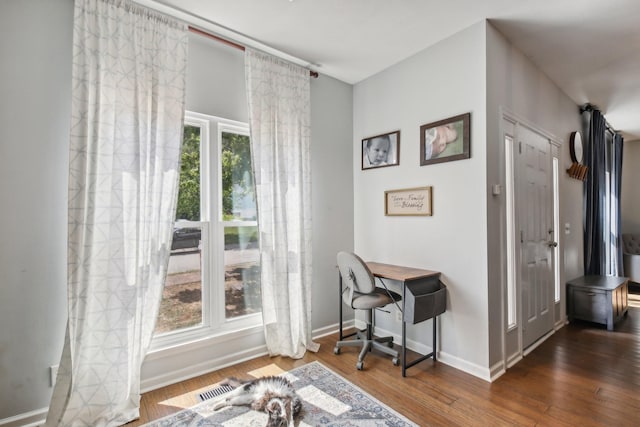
<point>583,375</point>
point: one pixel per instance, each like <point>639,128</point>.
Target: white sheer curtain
<point>279,115</point>
<point>126,129</point>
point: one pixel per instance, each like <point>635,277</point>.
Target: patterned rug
<point>328,400</point>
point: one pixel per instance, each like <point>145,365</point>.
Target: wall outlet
<point>53,372</point>
<point>398,315</point>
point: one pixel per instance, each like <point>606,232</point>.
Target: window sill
<point>201,334</point>
<point>178,362</point>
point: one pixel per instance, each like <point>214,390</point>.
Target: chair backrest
<point>355,275</point>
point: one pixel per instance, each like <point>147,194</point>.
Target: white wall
<point>515,83</point>
<point>465,237</point>
<point>442,81</point>
<point>35,104</point>
<point>630,198</point>
<point>35,99</point>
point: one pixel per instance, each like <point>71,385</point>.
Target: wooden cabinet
<point>599,299</point>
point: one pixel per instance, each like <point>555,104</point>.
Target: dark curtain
<point>602,240</point>
<point>616,184</point>
<point>594,190</point>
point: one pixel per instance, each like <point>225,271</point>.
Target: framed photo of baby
<point>381,150</point>
<point>445,140</point>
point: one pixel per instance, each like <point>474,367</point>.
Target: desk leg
<point>404,334</point>
<point>434,337</point>
<point>340,303</point>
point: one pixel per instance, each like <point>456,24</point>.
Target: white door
<point>534,176</point>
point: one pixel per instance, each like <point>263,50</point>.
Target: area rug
<point>328,400</point>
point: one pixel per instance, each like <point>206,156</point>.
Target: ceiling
<point>589,48</point>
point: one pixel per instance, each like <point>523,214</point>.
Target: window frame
<point>511,254</point>
<point>214,321</point>
<point>556,230</point>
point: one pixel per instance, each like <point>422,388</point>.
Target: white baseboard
<point>538,342</point>
<point>192,371</point>
<point>496,371</point>
<point>514,358</point>
<point>28,419</point>
<point>37,417</point>
<point>212,364</point>
<point>464,365</point>
<point>442,356</point>
<point>331,329</point>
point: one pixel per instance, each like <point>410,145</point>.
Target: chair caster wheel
<point>360,366</point>
<point>395,361</point>
<point>336,350</point>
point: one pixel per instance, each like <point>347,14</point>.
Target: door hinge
<point>521,236</point>
<point>520,147</point>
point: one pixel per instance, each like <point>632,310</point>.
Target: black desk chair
<point>361,293</point>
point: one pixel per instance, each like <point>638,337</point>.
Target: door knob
<point>552,244</point>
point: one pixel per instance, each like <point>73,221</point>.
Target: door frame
<point>512,341</point>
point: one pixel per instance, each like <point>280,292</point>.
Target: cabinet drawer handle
<point>591,294</point>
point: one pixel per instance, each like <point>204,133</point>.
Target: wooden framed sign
<point>408,202</point>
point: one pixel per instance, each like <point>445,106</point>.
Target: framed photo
<point>409,202</point>
<point>445,140</point>
<point>381,150</point>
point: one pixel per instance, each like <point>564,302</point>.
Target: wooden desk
<point>409,277</point>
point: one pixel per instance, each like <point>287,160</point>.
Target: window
<point>213,280</point>
<point>510,216</point>
<point>240,226</point>
<point>556,229</point>
<point>181,305</point>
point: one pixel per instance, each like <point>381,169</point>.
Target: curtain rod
<point>589,107</point>
<point>202,26</point>
<point>230,43</point>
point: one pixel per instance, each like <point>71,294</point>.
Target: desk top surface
<point>398,272</point>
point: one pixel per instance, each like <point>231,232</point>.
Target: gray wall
<point>630,198</point>
<point>35,104</point>
<point>215,79</point>
<point>464,238</point>
<point>35,94</point>
<point>332,191</point>
<point>35,73</point>
<point>442,81</point>
<point>515,83</point>
<point>216,86</point>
